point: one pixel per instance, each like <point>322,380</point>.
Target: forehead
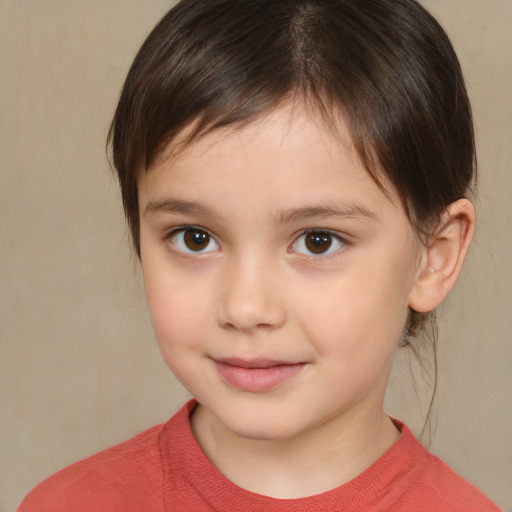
<point>286,154</point>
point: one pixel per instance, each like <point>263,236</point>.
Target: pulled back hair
<point>386,66</point>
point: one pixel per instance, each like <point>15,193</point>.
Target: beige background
<point>79,369</point>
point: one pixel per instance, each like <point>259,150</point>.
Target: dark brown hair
<point>385,65</point>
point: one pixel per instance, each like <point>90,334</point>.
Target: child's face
<point>277,275</point>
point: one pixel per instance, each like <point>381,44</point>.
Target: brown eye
<point>318,243</point>
<point>196,240</point>
<point>193,240</point>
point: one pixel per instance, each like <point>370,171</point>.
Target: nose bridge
<point>250,295</point>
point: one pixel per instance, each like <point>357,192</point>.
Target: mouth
<point>256,375</point>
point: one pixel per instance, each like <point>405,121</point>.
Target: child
<point>294,174</point>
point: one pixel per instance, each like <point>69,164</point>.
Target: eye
<point>193,240</point>
<point>318,243</point>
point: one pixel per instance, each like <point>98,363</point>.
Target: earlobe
<point>442,258</point>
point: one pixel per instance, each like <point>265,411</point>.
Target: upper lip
<point>253,363</point>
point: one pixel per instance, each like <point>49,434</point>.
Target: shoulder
<point>120,476</point>
<point>435,486</point>
<point>451,490</point>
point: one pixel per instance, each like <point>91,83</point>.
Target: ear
<point>442,258</point>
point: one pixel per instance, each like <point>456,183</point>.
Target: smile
<point>256,376</point>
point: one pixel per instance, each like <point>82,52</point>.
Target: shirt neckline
<point>381,483</point>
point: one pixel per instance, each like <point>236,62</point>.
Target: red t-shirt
<point>164,470</point>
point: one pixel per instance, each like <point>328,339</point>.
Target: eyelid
<point>321,256</point>
<point>170,234</point>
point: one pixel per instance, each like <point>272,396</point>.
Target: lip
<point>256,375</point>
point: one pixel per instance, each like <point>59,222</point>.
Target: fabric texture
<point>164,470</point>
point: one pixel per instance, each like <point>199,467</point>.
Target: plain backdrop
<point>79,368</point>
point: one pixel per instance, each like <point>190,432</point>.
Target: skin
<point>256,292</point>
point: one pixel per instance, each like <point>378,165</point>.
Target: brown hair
<point>386,65</point>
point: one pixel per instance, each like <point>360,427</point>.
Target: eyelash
<point>299,240</point>
<point>334,239</point>
<point>183,229</point>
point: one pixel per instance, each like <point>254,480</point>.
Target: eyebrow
<point>324,210</point>
<point>180,206</point>
<point>283,216</point>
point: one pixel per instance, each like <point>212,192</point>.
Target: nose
<point>251,297</point>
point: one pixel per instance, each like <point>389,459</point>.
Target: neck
<point>316,461</point>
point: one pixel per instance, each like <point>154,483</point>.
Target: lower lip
<point>258,379</point>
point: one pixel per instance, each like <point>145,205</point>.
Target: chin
<point>260,426</point>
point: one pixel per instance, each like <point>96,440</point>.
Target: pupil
<point>196,240</point>
<point>318,243</point>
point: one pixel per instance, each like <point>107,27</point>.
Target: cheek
<point>176,316</point>
<point>178,307</point>
<point>358,315</point>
